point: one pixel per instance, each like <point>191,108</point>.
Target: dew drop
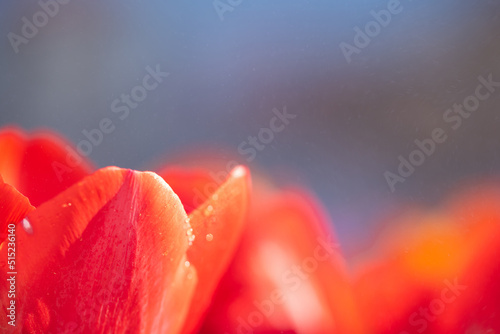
<point>209,237</point>
<point>187,224</point>
<point>190,235</point>
<point>208,210</point>
<point>187,264</point>
<point>189,231</point>
<point>215,197</point>
<point>27,226</point>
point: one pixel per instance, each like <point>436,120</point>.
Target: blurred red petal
<point>286,276</point>
<point>106,255</point>
<point>12,143</point>
<point>407,286</point>
<point>41,165</point>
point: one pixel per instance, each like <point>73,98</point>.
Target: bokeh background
<point>226,75</point>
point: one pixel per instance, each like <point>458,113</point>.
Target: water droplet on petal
<point>208,210</point>
<point>27,226</point>
<point>187,264</point>
<point>215,197</point>
<point>209,237</point>
<point>190,235</point>
<point>189,231</point>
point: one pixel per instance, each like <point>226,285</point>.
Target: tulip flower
<point>111,252</point>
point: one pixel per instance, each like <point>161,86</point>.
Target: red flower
<point>115,252</point>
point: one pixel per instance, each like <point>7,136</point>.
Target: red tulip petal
<point>106,255</point>
<point>193,186</point>
<point>286,275</point>
<point>39,166</point>
<point>217,226</point>
<point>13,207</point>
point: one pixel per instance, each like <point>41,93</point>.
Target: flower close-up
<point>249,167</point>
<point>111,250</point>
<point>121,251</point>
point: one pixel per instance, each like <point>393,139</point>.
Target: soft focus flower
<point>288,275</point>
<point>187,250</point>
<point>40,166</point>
<point>436,271</point>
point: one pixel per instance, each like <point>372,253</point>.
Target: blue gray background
<point>354,119</point>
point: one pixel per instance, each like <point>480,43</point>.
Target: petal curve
<point>40,165</point>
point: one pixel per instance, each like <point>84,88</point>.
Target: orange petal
<point>407,287</point>
<point>12,144</point>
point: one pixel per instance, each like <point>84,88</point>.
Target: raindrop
<point>27,226</point>
<point>187,264</point>
<point>209,237</point>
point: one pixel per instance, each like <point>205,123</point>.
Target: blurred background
<point>231,62</point>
